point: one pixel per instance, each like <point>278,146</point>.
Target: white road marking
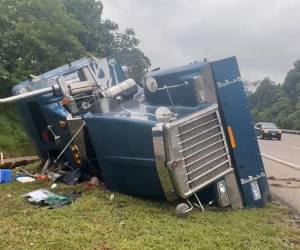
<point>296,147</point>
<point>288,164</point>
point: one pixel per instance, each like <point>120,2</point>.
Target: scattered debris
<point>1,159</point>
<point>71,177</point>
<point>37,195</point>
<point>15,162</point>
<point>42,177</point>
<point>112,197</point>
<point>46,166</point>
<point>92,184</point>
<point>25,179</point>
<point>94,181</point>
<point>45,198</point>
<point>25,172</point>
<point>53,176</point>
<point>5,175</point>
<point>54,186</point>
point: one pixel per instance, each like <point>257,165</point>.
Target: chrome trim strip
<point>160,162</point>
<point>202,166</point>
<point>199,126</point>
<point>202,133</point>
<point>197,152</point>
<point>200,159</point>
<point>207,172</point>
<point>199,143</point>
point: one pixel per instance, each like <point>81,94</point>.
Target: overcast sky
<point>263,34</point>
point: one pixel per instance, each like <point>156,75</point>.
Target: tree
<point>279,104</point>
<point>48,37</point>
<point>266,95</point>
<point>102,37</point>
<point>38,35</point>
<point>291,84</point>
<point>96,34</point>
<point>125,49</point>
<point>8,40</point>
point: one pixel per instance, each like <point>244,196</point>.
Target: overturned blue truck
<point>184,134</point>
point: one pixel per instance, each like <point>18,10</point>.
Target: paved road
<point>284,181</point>
<point>288,149</point>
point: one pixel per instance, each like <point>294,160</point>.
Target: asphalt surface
<point>284,181</point>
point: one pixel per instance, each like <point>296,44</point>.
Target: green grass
<point>13,139</point>
<point>95,222</point>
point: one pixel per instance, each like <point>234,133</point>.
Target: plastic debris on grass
<point>25,179</point>
<point>45,198</point>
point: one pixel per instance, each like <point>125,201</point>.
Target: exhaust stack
<point>27,95</point>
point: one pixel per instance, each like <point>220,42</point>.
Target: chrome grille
<point>202,149</point>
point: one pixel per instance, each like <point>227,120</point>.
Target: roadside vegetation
<point>279,103</point>
<point>96,221</point>
<point>13,139</point>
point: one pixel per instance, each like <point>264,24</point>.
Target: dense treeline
<point>38,35</point>
<point>279,103</point>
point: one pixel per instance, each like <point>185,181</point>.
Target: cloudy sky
<point>263,34</point>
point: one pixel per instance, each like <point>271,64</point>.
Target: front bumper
<point>271,135</point>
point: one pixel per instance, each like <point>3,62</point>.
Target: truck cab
<point>182,138</point>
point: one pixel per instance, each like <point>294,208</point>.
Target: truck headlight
<point>222,188</point>
<point>223,194</point>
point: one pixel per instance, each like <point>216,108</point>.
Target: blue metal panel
<point>124,151</point>
<point>51,113</point>
<point>235,112</point>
